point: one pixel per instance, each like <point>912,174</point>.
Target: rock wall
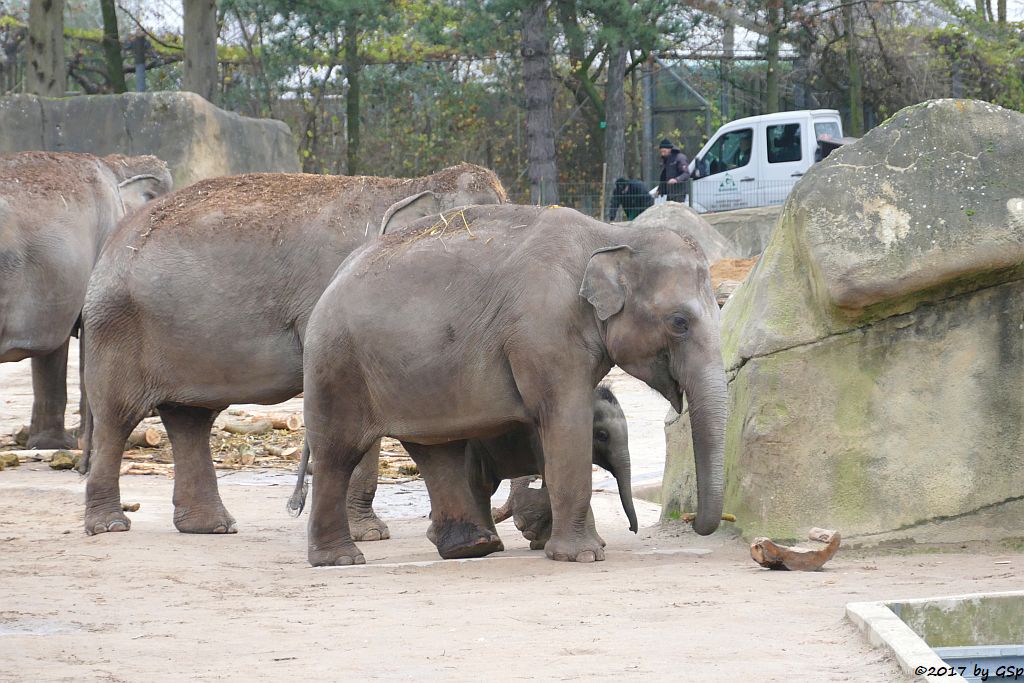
<point>748,230</point>
<point>876,353</point>
<point>195,138</point>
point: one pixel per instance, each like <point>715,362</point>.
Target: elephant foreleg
<point>460,512</point>
<point>198,508</point>
<point>363,522</point>
<point>49,400</point>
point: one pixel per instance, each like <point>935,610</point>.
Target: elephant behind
<point>202,300</point>
<point>56,212</point>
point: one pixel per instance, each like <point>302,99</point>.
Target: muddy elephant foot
<point>538,545</point>
<point>459,539</point>
<point>585,548</point>
<point>333,557</point>
<point>367,527</point>
<point>58,438</point>
<point>102,520</point>
<point>196,520</point>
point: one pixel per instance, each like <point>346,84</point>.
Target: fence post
<point>604,184</point>
<point>689,190</point>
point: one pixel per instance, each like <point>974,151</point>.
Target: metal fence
<point>721,192</point>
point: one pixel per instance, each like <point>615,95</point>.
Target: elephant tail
<point>297,502</point>
<point>85,428</point>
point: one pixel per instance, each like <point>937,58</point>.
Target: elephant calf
<point>56,212</point>
<point>478,322</point>
<point>489,461</point>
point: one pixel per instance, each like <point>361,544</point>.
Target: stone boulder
<point>682,218</point>
<point>195,138</point>
<point>876,353</point>
<point>748,230</point>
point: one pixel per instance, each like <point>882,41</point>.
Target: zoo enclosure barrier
<point>720,192</point>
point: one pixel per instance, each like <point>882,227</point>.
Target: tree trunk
<point>728,52</point>
<point>46,74</point>
<point>112,47</point>
<point>615,120</point>
<point>1001,9</point>
<point>540,97</point>
<point>856,87</point>
<point>352,68</point>
<point>200,37</point>
<point>772,56</point>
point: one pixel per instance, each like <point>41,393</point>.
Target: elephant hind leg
<point>363,522</point>
<point>461,523</point>
<point>49,400</point>
<point>198,508</point>
<point>110,430</point>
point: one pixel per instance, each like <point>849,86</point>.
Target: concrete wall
<point>195,138</point>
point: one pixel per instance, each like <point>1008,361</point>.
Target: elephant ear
<point>138,190</point>
<point>602,281</point>
<point>408,210</point>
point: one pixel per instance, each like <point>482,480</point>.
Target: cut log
<point>769,554</point>
<point>292,422</point>
<point>246,456</point>
<point>145,437</point>
<point>248,428</point>
<point>21,436</point>
<point>288,453</point>
<point>130,507</point>
<point>690,516</point>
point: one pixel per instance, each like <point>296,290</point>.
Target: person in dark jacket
<point>632,196</point>
<point>674,172</point>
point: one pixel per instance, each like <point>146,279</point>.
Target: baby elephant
<point>531,508</point>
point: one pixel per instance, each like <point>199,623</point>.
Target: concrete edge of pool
<point>883,627</point>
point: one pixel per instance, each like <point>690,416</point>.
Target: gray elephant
<point>508,317</point>
<point>516,456</point>
<point>202,300</point>
<point>56,211</point>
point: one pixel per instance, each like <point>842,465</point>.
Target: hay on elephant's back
<point>447,225</point>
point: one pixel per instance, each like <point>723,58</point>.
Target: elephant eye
<point>680,325</point>
<point>601,435</point>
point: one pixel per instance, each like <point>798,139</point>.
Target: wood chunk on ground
<point>728,274</point>
<point>769,554</point>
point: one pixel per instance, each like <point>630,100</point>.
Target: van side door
<point>728,172</point>
<point>786,159</point>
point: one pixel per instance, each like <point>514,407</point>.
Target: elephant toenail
<point>586,556</point>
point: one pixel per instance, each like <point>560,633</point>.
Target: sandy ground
<point>156,605</point>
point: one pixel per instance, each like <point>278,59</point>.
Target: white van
<point>756,161</point>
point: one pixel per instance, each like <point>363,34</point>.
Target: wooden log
<point>292,422</point>
<point>248,428</point>
<point>145,437</point>
<point>21,436</point>
<point>39,454</point>
<point>769,554</point>
<point>690,516</point>
<point>288,453</point>
<point>130,507</point>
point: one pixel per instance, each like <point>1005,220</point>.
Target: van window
<point>784,143</point>
<point>827,129</point>
<point>730,151</point>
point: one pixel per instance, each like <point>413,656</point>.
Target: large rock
<point>876,354</point>
<point>195,138</point>
<point>748,230</point>
<point>682,218</point>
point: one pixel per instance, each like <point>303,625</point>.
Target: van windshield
<point>730,151</point>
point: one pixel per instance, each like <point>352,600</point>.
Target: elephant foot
<point>587,548</point>
<point>341,556</point>
<point>532,515</point>
<point>538,545</point>
<point>204,520</point>
<point>457,540</point>
<point>53,438</point>
<point>367,527</point>
<point>102,520</point>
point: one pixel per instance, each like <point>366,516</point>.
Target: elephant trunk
<point>621,472</point>
<point>707,398</point>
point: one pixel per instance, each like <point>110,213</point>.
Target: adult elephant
<point>202,300</point>
<point>56,211</point>
<point>508,317</point>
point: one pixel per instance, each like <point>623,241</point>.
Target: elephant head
<point>659,322</point>
<point>461,185</point>
<point>611,447</point>
<point>139,179</point>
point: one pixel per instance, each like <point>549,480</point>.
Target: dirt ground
<point>156,605</point>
